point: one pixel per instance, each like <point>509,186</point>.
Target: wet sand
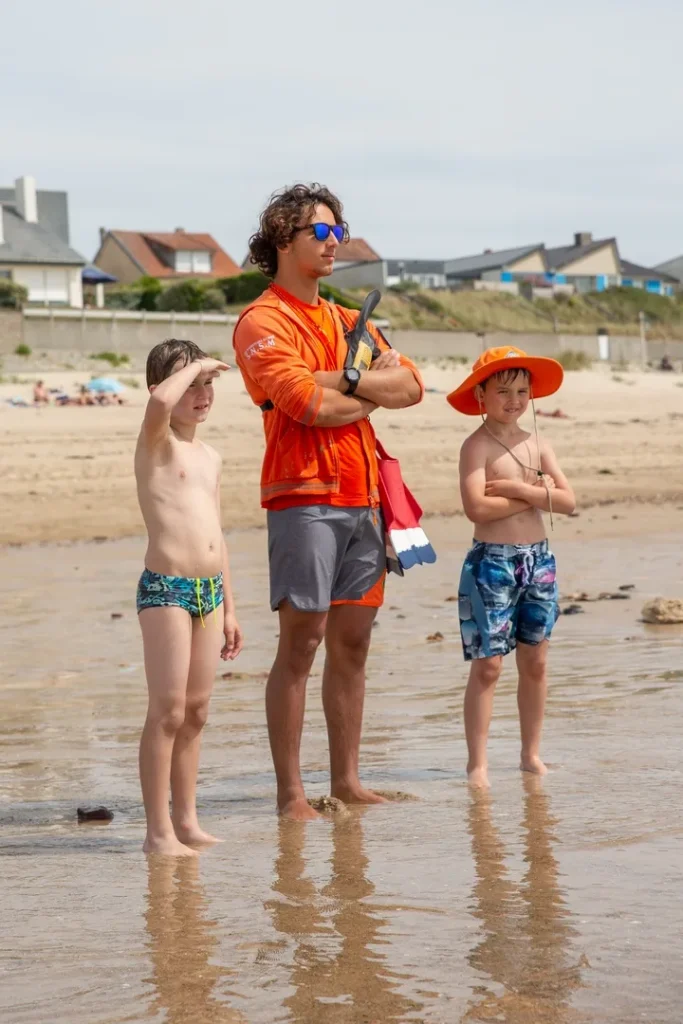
<point>548,902</point>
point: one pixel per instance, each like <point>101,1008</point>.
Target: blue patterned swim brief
<point>198,596</point>
<point>507,594</point>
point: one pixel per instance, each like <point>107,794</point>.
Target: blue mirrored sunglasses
<point>322,231</point>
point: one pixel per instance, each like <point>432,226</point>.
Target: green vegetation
<point>112,358</point>
<point>405,286</point>
<point>191,297</point>
<point>407,306</point>
<point>130,382</point>
<point>617,309</point>
<point>23,350</point>
<point>12,296</point>
<point>573,360</point>
<point>244,288</point>
<point>333,294</point>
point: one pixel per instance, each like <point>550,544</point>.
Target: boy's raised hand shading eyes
<point>210,365</point>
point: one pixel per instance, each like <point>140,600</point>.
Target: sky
<point>445,126</point>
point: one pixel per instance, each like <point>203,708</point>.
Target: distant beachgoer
<point>319,483</point>
<point>508,598</point>
<point>40,393</point>
<point>185,603</point>
<point>666,364</point>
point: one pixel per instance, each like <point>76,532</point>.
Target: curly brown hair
<point>283,215</point>
<point>165,355</point>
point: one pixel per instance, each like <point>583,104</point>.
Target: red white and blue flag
<point>407,543</point>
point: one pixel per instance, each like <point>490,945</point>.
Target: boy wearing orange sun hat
<point>508,594</point>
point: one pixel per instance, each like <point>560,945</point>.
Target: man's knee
<point>349,644</point>
<point>487,671</point>
<point>300,641</point>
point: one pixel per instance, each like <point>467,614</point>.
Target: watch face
<point>352,375</point>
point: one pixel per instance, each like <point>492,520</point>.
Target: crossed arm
<point>273,365</point>
<point>488,501</point>
<point>386,383</point>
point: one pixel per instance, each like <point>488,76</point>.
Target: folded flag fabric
<point>407,543</point>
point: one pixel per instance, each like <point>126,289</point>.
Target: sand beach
<point>543,902</point>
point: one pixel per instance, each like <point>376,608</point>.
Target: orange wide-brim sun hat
<point>546,376</point>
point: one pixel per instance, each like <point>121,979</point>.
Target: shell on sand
<point>664,610</point>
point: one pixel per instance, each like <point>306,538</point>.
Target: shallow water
<point>547,902</point>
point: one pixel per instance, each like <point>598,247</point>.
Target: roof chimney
<point>583,238</point>
<point>2,236</point>
<point>103,232</point>
<point>25,199</point>
<point>180,231</point>
<point>487,252</point>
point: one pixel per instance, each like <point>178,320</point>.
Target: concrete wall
<point>436,345</point>
<point>11,331</point>
<point>67,336</point>
<point>58,337</point>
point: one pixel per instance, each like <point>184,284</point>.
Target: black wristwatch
<point>352,378</point>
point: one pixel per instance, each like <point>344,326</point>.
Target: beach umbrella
<point>93,275</point>
<point>105,384</point>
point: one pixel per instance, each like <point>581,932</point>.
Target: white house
<point>34,245</point>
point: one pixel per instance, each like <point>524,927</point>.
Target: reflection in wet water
<point>337,973</point>
<point>550,903</point>
<point>526,948</point>
<point>182,942</point>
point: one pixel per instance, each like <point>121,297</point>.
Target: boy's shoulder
<point>477,439</point>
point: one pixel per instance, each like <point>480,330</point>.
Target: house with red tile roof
<point>168,255</point>
<point>356,250</point>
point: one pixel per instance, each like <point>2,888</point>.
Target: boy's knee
<point>487,670</point>
<point>169,717</point>
<point>196,714</point>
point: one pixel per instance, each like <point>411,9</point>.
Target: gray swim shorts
<point>322,555</point>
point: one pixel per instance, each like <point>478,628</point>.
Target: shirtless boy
<point>508,590</point>
<point>184,600</point>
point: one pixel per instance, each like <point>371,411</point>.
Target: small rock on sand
<point>573,609</point>
<point>435,638</point>
<point>94,814</point>
<point>663,610</point>
<point>117,615</point>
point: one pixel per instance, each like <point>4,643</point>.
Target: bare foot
<point>533,765</point>
<point>297,809</point>
<point>193,835</point>
<point>168,846</point>
<point>478,778</point>
<point>356,794</point>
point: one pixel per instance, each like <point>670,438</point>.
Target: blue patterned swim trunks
<point>507,594</point>
<point>199,597</point>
